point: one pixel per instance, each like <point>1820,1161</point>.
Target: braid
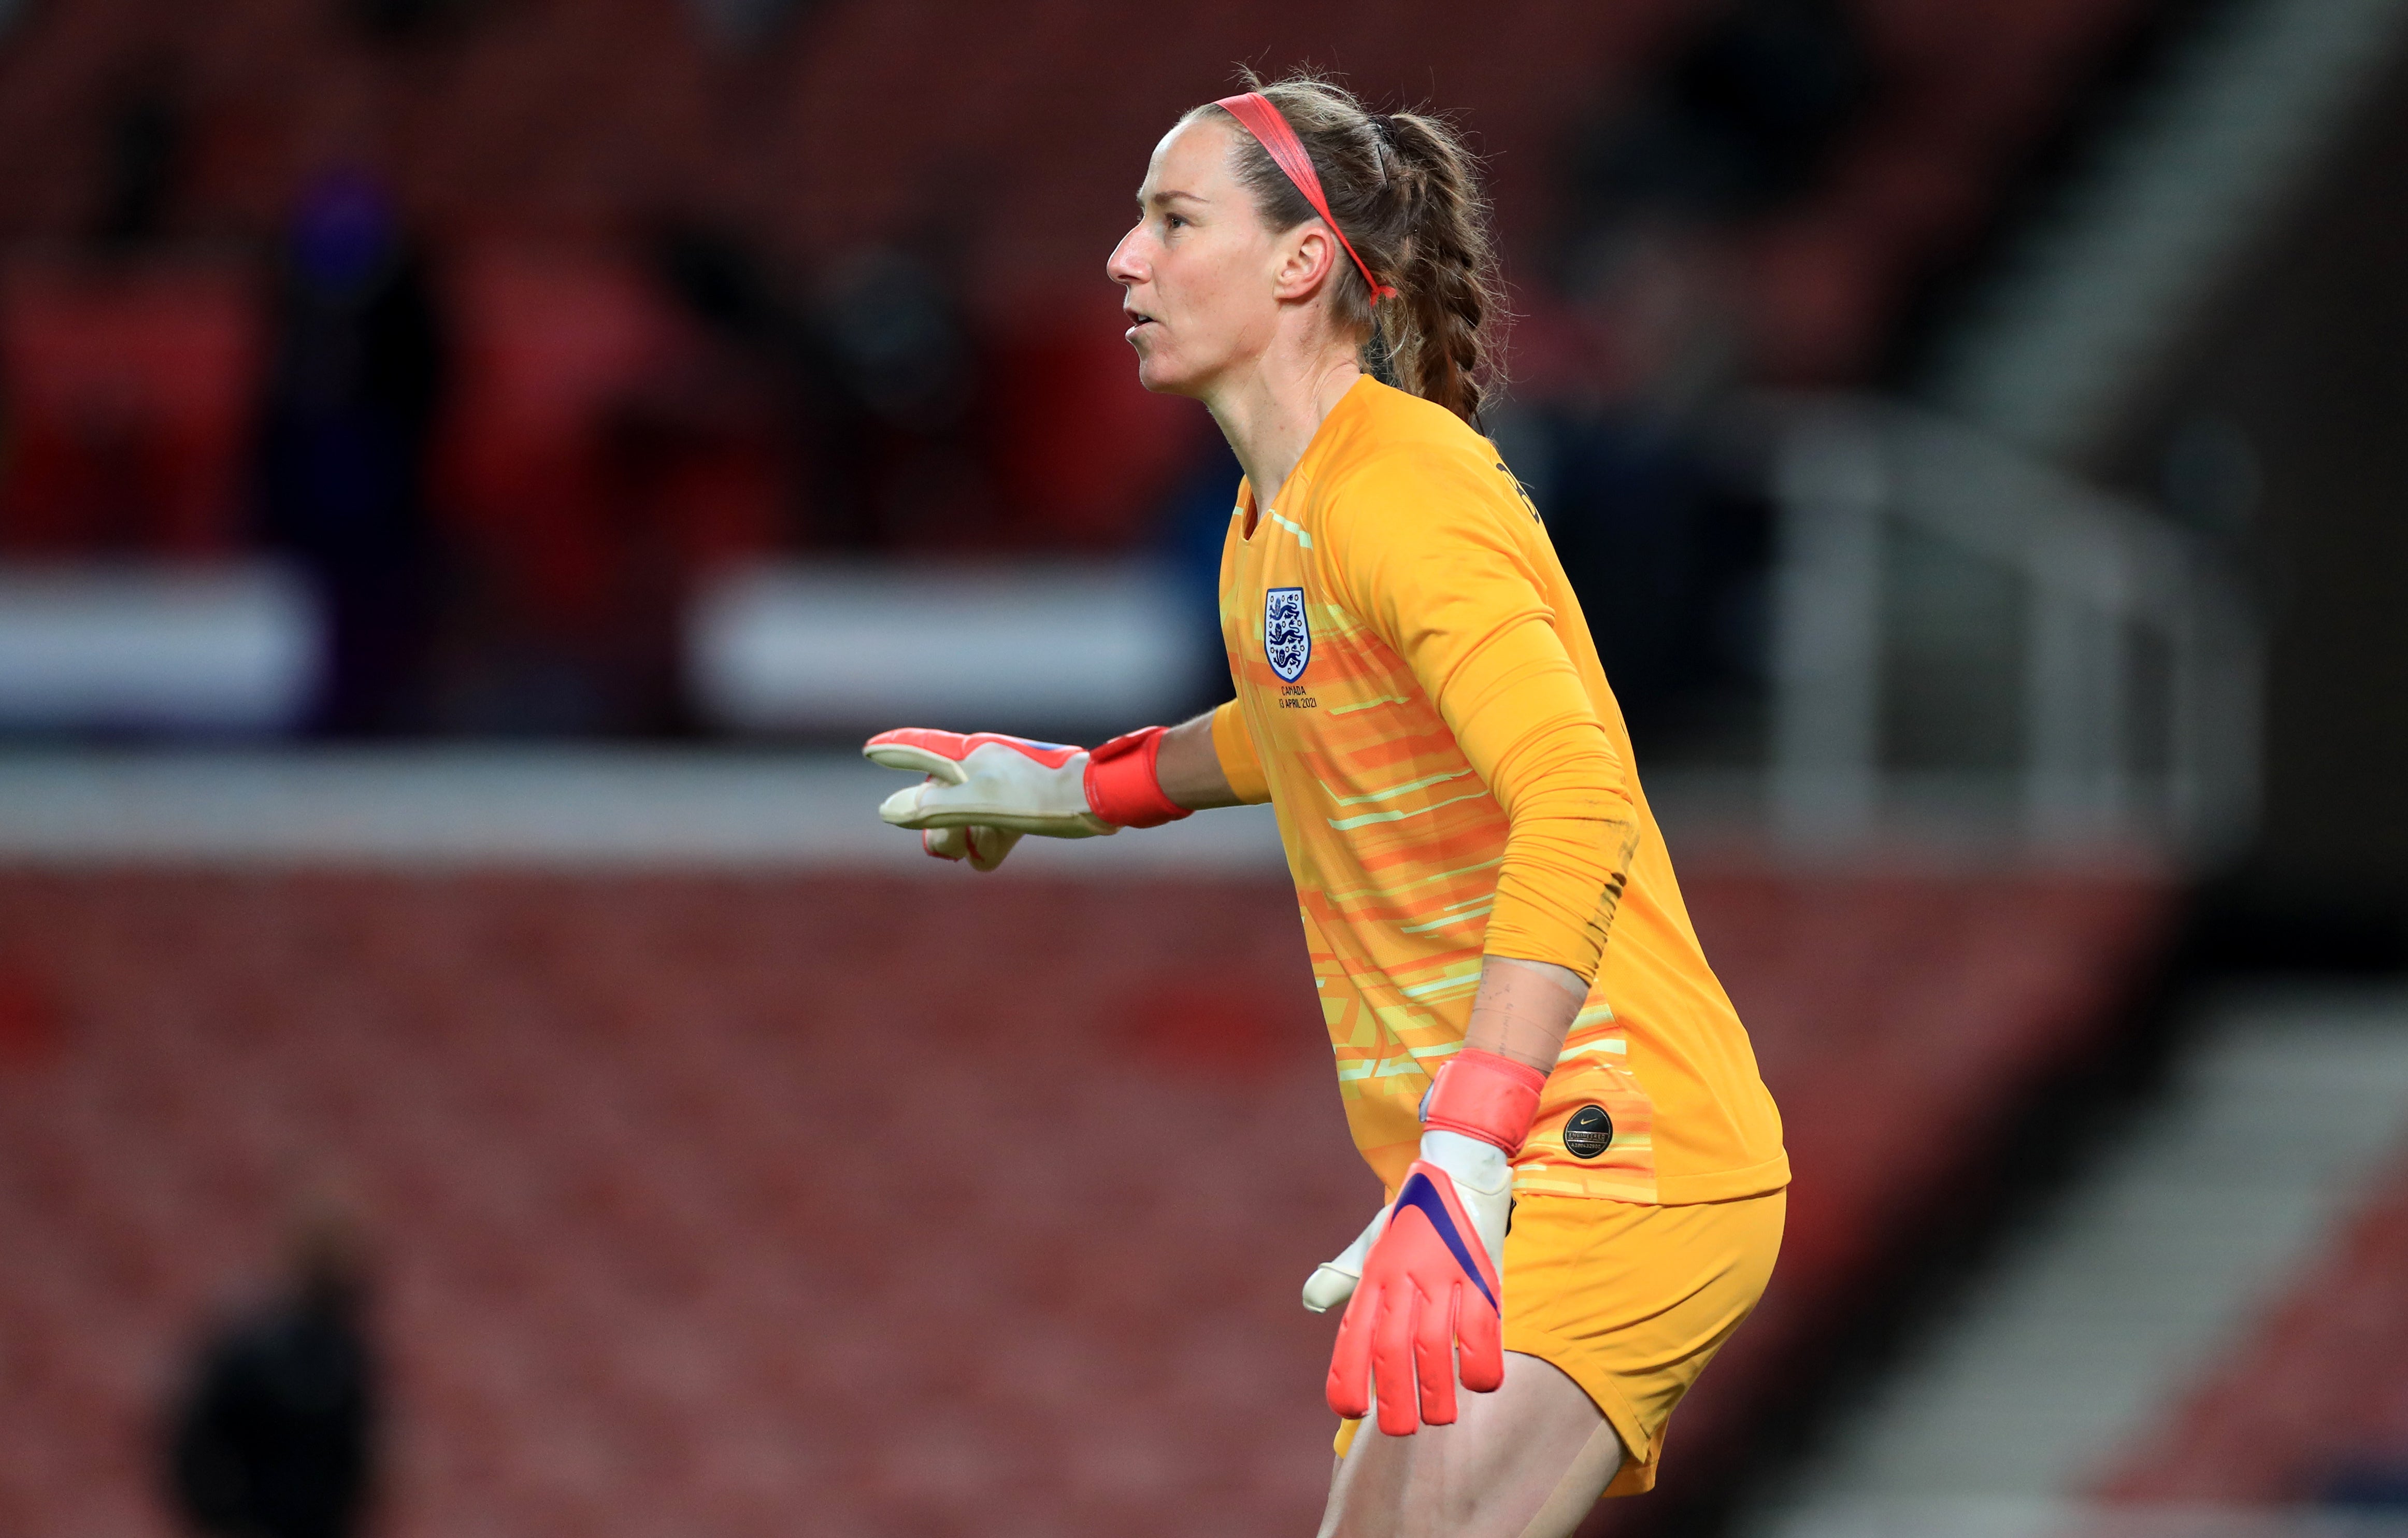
<point>1440,337</point>
<point>1407,193</point>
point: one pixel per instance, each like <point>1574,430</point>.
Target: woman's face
<point>1200,273</point>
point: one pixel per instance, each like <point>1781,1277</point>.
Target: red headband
<point>1257,116</point>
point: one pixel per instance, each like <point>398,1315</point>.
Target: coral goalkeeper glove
<point>984,791</point>
<point>1432,1289</point>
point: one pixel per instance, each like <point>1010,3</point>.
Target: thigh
<point>1526,1461</point>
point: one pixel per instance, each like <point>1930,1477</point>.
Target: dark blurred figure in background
<point>1192,525</point>
<point>353,394</point>
<point>146,139</point>
<point>899,373</point>
<point>1623,445</point>
<point>399,23</point>
<point>1740,122</point>
<point>879,375</point>
<point>1662,544</point>
<point>276,1436</point>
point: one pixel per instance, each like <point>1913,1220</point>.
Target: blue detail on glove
<point>1419,1194</point>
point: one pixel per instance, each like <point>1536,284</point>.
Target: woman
<point>1418,697</point>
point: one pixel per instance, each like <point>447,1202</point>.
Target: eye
<point>1174,220</point>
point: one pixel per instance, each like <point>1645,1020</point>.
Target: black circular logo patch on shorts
<point>1590,1132</point>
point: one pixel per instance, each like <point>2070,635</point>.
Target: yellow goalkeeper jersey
<point>1418,697</point>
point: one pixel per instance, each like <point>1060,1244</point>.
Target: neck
<point>1270,413</point>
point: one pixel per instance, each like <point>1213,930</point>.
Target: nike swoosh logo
<point>1419,1194</point>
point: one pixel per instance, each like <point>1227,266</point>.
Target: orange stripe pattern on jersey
<point>1418,697</point>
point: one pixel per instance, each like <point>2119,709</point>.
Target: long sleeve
<point>1435,561</point>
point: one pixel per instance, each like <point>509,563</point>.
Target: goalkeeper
<point>1418,699</point>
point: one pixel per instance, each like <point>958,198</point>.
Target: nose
<point>1123,266</point>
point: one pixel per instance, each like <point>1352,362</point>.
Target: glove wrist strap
<point>1486,1096</point>
<point>1125,785</point>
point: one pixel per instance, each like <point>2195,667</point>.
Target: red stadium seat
<point>704,1205</point>
<point>129,392</point>
<point>2313,1394</point>
<point>565,480</point>
<point>1079,450</point>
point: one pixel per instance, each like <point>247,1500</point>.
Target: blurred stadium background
<point>470,469</point>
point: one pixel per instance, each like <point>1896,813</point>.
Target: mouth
<point>1137,320</point>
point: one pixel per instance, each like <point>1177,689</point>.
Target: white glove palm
<point>1333,1282</point>
<point>983,791</point>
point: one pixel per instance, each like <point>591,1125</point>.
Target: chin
<point>1163,376</point>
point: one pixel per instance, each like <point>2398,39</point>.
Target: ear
<point>1301,261</point>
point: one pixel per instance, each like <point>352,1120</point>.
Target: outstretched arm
<point>983,792</point>
<point>1190,766</point>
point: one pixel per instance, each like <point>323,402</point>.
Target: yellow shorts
<point>1631,1302</point>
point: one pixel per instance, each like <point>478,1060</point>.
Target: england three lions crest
<point>1287,638</point>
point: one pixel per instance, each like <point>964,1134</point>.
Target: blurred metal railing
<point>2114,666</point>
